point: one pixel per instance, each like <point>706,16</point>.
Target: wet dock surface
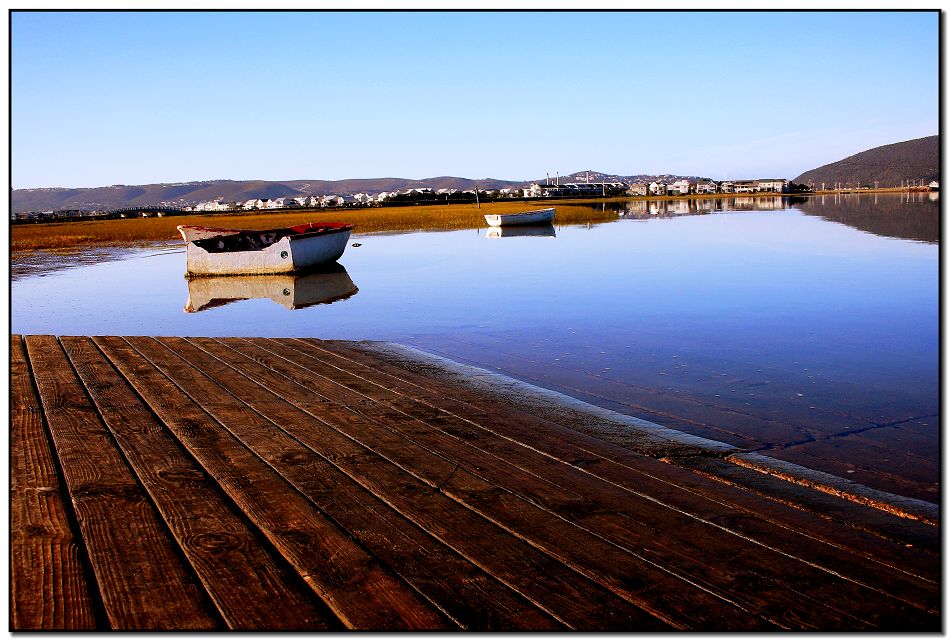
<point>270,484</point>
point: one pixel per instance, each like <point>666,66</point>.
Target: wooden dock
<point>280,484</point>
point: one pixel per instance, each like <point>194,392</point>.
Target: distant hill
<point>190,193</point>
<point>590,175</point>
<point>888,165</point>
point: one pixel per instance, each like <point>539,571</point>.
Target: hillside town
<point>549,189</point>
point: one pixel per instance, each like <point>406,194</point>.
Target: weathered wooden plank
<point>143,582</point>
<point>903,595</point>
<point>798,534</point>
<point>439,484</point>
<point>877,546</point>
<point>453,398</point>
<point>251,590</point>
<point>701,549</point>
<point>915,535</point>
<point>356,587</point>
<point>585,509</point>
<point>478,601</point>
<point>564,594</point>
<point>858,520</point>
<point>48,586</point>
<point>619,569</point>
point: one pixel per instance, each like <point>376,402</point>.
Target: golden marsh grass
<point>73,236</point>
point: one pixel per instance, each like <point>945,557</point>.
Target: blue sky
<point>129,98</point>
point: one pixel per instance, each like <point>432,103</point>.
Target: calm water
<point>807,330</point>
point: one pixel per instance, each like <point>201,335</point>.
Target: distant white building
<point>534,191</point>
<point>657,189</point>
<point>212,205</point>
<point>778,185</point>
<point>331,201</point>
<point>678,187</point>
<point>638,189</point>
<point>705,187</point>
<point>363,199</point>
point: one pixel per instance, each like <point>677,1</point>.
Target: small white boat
<point>328,285</point>
<point>535,217</point>
<point>220,251</point>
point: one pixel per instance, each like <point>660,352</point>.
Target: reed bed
<point>70,237</point>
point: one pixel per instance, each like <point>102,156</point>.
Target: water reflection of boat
<point>521,230</point>
<point>292,291</point>
<point>535,217</point>
<point>213,250</point>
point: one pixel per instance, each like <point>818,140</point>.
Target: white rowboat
<point>220,251</point>
<point>536,217</point>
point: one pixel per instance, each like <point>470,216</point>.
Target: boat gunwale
<point>327,229</point>
<point>523,213</point>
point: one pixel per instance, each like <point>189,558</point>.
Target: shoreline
<point>80,235</point>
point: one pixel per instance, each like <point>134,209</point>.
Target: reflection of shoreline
<point>289,290</point>
<point>768,194</point>
<point>665,207</point>
<point>906,215</point>
<point>911,216</point>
